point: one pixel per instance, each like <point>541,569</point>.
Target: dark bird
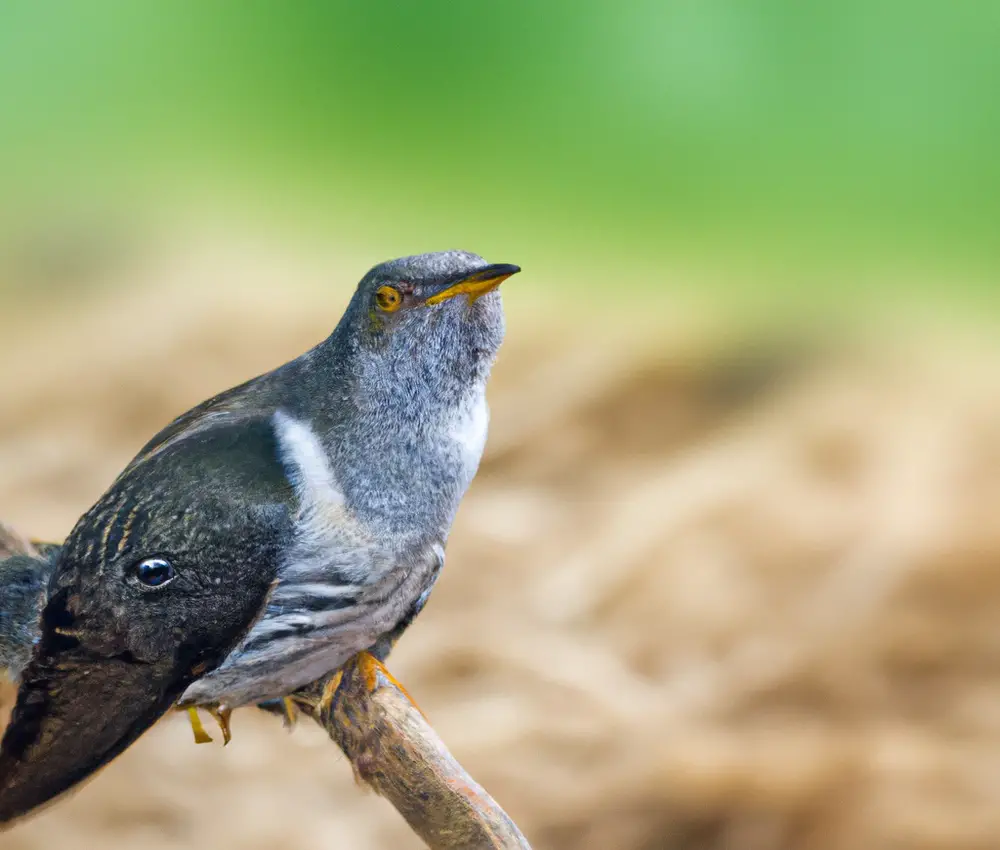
<point>268,535</point>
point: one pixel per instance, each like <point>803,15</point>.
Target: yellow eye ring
<point>389,299</point>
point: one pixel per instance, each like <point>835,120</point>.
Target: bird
<point>268,535</point>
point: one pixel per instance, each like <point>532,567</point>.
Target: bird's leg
<point>200,735</point>
<point>291,712</point>
<point>286,707</point>
<point>370,667</point>
<point>222,714</point>
<point>329,692</point>
<point>372,661</point>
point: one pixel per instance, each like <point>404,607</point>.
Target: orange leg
<point>370,668</point>
<point>291,712</point>
<point>330,691</point>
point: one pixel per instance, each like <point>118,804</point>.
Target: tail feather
<point>24,581</point>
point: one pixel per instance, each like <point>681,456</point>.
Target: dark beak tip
<point>494,271</point>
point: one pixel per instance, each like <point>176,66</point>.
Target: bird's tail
<point>24,580</point>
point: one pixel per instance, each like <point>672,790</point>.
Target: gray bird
<point>268,535</point>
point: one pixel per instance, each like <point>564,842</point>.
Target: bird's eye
<point>388,298</point>
<point>154,572</point>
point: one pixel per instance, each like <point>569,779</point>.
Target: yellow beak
<point>477,284</point>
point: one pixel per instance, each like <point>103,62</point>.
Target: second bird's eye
<point>388,298</point>
<point>154,572</point>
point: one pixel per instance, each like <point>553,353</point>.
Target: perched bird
<point>269,534</point>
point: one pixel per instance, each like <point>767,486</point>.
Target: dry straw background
<point>705,593</point>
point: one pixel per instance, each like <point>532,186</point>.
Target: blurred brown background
<point>729,576</point>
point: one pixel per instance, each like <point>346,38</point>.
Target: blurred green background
<point>793,153</point>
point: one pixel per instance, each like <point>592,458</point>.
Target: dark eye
<point>154,572</point>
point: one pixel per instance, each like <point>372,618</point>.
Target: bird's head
<point>441,311</point>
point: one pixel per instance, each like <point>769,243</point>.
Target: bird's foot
<point>370,667</point>
<point>222,714</point>
<point>329,692</point>
<point>290,712</point>
<point>285,707</point>
<point>200,735</point>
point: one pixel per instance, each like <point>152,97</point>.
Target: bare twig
<point>393,749</point>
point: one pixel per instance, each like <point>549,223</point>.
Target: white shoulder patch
<point>323,524</point>
<point>306,463</point>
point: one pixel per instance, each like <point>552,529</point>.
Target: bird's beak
<point>477,284</point>
<point>72,717</point>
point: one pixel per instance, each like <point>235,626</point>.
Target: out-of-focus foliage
<point>775,133</point>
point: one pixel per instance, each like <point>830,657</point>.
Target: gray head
<point>409,363</point>
<point>429,318</point>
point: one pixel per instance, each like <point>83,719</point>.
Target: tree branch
<point>388,741</point>
<point>394,750</point>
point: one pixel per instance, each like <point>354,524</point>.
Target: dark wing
<point>229,406</point>
<point>114,655</point>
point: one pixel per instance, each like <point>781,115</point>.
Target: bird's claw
<point>290,713</point>
<point>222,715</point>
<point>200,735</point>
<point>370,667</point>
<point>329,692</point>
